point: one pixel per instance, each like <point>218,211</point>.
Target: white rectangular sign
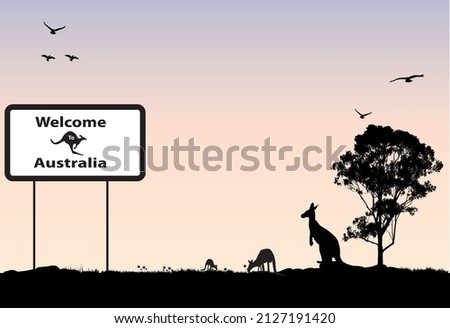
<point>74,142</point>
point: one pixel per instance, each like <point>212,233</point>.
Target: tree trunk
<point>380,248</point>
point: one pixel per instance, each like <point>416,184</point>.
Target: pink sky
<point>227,75</point>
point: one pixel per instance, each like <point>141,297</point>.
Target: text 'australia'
<point>89,163</point>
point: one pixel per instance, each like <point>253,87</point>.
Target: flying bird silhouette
<point>53,30</point>
<point>407,79</point>
<point>362,115</point>
<point>72,57</point>
<point>48,57</point>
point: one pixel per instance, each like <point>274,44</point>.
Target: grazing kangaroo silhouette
<point>328,243</point>
<point>209,265</point>
<point>72,140</point>
<point>265,256</point>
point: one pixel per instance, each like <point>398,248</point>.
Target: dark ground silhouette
<point>51,287</point>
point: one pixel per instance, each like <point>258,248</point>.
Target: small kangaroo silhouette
<point>328,244</point>
<point>264,256</point>
<point>72,140</point>
<point>209,265</point>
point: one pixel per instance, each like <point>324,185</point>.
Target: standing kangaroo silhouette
<point>72,140</point>
<point>265,256</point>
<point>328,243</point>
<point>209,265</point>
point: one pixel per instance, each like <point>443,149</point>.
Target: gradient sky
<point>226,73</point>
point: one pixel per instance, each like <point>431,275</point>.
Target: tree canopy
<point>387,170</point>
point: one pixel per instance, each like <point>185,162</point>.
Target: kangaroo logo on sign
<point>72,140</point>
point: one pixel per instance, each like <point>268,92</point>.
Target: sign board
<point>75,142</point>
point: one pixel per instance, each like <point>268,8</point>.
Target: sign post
<point>34,225</point>
<point>107,225</point>
<point>74,143</point>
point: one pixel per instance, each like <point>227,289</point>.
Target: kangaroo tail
<point>55,143</point>
<point>274,266</point>
<point>339,259</point>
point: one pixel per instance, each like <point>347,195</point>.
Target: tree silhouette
<point>386,170</point>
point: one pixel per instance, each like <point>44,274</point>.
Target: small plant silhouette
<point>142,268</point>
